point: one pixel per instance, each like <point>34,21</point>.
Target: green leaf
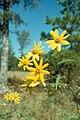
<point>57,81</point>
<point>54,84</point>
<point>70,117</point>
<point>64,61</point>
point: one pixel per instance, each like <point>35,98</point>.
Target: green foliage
<point>64,61</point>
<point>12,63</point>
<point>12,60</point>
<point>68,21</point>
<point>31,4</point>
<point>23,39</point>
<point>14,17</point>
<point>57,84</point>
<point>57,80</point>
<point>39,106</point>
<point>73,117</point>
<point>7,15</point>
<point>70,16</point>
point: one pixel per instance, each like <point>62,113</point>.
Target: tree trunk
<point>4,65</point>
<point>5,49</point>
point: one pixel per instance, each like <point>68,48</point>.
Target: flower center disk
<point>57,40</point>
<point>34,51</point>
<point>38,70</point>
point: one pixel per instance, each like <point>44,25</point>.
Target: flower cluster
<point>58,40</point>
<point>34,63</point>
<point>12,97</point>
<point>36,75</point>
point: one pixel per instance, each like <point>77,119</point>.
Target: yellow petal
<point>34,56</point>
<point>39,44</point>
<point>30,64</point>
<point>24,68</point>
<point>59,47</point>
<point>41,62</point>
<point>63,33</point>
<point>66,36</point>
<point>41,52</point>
<point>20,64</point>
<point>53,34</point>
<point>37,57</point>
<point>30,78</point>
<point>35,63</point>
<point>31,74</point>
<point>45,72</point>
<point>54,45</point>
<point>64,42</point>
<point>42,80</point>
<point>17,101</point>
<point>56,32</point>
<point>45,65</point>
<point>30,61</point>
<point>24,85</point>
<point>49,41</point>
<point>44,84</point>
<point>36,78</point>
<point>35,45</point>
<point>33,84</point>
<point>31,69</point>
<point>41,77</point>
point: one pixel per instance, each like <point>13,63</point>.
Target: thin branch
<point>1,27</point>
<point>74,98</point>
<point>1,4</point>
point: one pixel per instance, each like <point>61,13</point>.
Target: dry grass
<point>17,74</point>
<point>39,106</point>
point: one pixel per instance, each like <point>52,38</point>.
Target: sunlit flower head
<point>58,40</point>
<point>13,97</point>
<point>24,62</point>
<point>29,80</point>
<point>16,98</point>
<point>35,80</point>
<point>36,51</point>
<point>27,86</point>
<point>37,74</point>
<point>7,96</point>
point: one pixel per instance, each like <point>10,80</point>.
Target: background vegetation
<point>48,103</point>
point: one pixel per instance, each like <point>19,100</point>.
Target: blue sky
<point>35,23</point>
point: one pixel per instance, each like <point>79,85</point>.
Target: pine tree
<point>7,16</point>
<point>23,39</point>
<point>70,20</point>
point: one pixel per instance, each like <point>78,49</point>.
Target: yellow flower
<point>27,82</point>
<point>25,62</point>
<point>36,81</point>
<point>17,101</point>
<point>36,51</point>
<point>7,96</point>
<point>27,85</point>
<point>13,96</point>
<point>16,98</point>
<point>58,40</point>
<point>38,72</point>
